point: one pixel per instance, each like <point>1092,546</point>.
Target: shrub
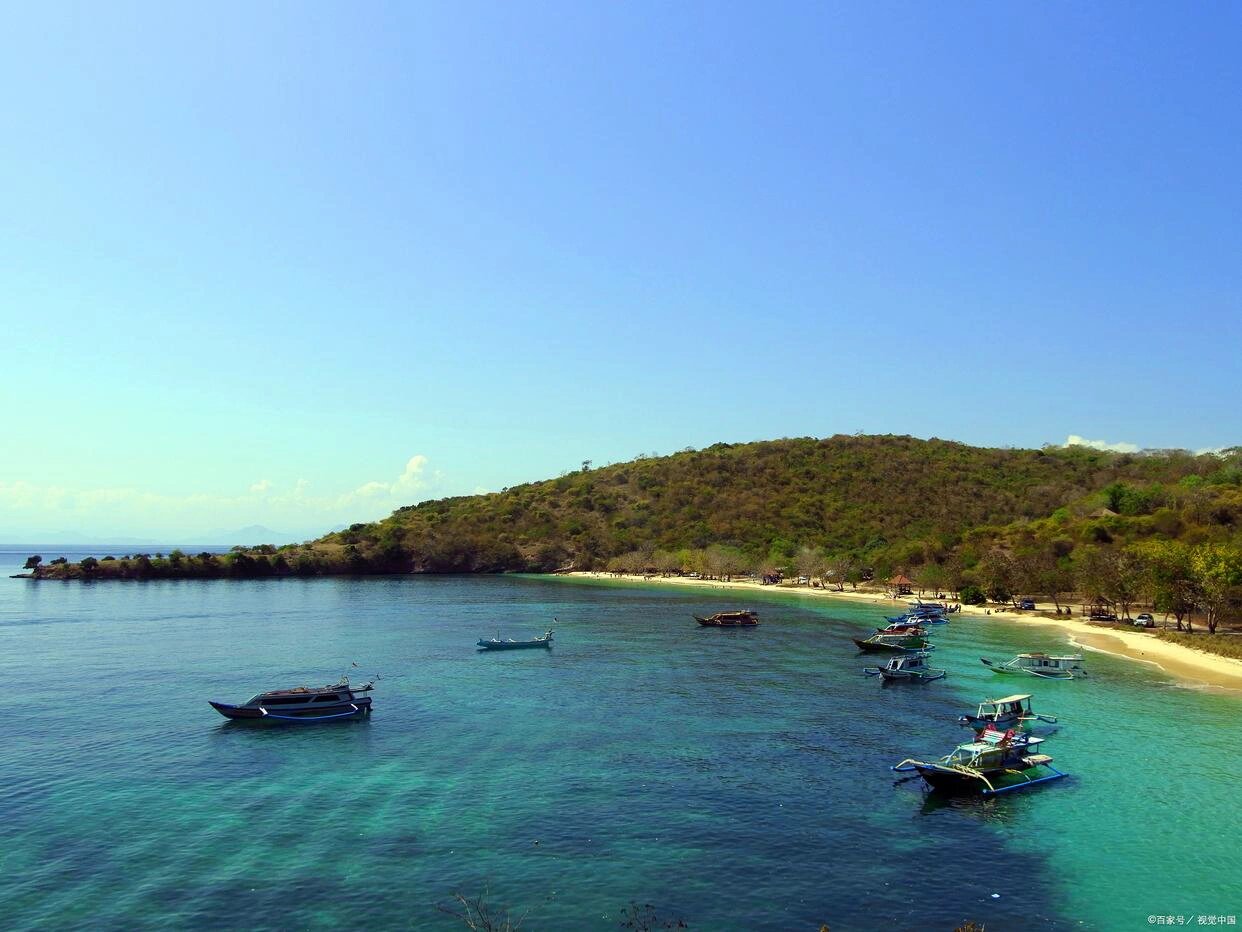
<point>972,595</point>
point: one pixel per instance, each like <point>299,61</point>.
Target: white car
<point>1144,621</point>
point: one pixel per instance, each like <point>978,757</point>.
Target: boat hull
<point>880,647</point>
<point>954,783</point>
<point>322,712</point>
<point>727,622</point>
<point>515,645</point>
<point>903,676</point>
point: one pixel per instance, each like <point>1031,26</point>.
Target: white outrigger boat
<point>1047,666</point>
<point>1006,713</point>
<point>906,668</point>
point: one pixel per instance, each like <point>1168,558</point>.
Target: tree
<point>88,565</point>
<point>998,575</point>
<point>725,562</point>
<point>32,563</point>
<point>839,569</point>
<point>1116,576</point>
<point>1170,582</point>
<point>809,560</point>
<point>1218,571</point>
<point>933,577</point>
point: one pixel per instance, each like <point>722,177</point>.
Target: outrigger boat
<point>919,618</point>
<point>906,668</point>
<point>881,643</point>
<point>497,643</point>
<point>1009,712</point>
<point>303,704</point>
<point>1042,665</point>
<point>743,619</point>
<point>994,762</point>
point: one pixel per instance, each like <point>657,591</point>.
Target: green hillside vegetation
<point>1057,523</point>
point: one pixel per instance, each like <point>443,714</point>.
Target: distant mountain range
<point>250,535</point>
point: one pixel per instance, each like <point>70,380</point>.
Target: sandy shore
<point>1187,665</point>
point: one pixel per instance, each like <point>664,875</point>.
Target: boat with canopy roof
<point>906,668</point>
<point>1004,713</point>
<point>994,762</point>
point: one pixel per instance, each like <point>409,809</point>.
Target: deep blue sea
<point>730,779</point>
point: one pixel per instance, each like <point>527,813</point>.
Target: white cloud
<point>1122,447</point>
<point>136,511</point>
<point>411,477</point>
<point>410,480</point>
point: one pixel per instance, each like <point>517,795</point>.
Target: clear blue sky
<point>258,257</point>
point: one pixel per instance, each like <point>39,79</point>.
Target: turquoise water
<point>733,779</point>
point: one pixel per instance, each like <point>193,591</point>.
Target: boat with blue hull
<point>302,705</point>
<point>994,762</point>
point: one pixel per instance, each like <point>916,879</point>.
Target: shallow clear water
<point>733,779</point>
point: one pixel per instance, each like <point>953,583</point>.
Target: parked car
<point>1144,621</point>
<point>1103,615</point>
<point>1027,605</point>
<point>804,580</point>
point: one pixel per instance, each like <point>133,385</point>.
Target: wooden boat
<point>893,644</point>
<point>1006,713</point>
<point>906,668</point>
<point>994,762</point>
<point>1049,667</point>
<point>742,619</point>
<point>497,643</point>
<point>303,704</point>
<point>906,628</point>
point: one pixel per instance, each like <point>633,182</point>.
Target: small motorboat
<point>881,643</point>
<point>906,668</point>
<point>994,762</point>
<point>1042,665</point>
<point>497,643</point>
<point>303,704</point>
<point>1006,713</point>
<point>743,619</point>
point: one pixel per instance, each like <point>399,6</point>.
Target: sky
<point>298,264</point>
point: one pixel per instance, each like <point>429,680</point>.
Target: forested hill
<point>882,499</point>
<point>883,502</point>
